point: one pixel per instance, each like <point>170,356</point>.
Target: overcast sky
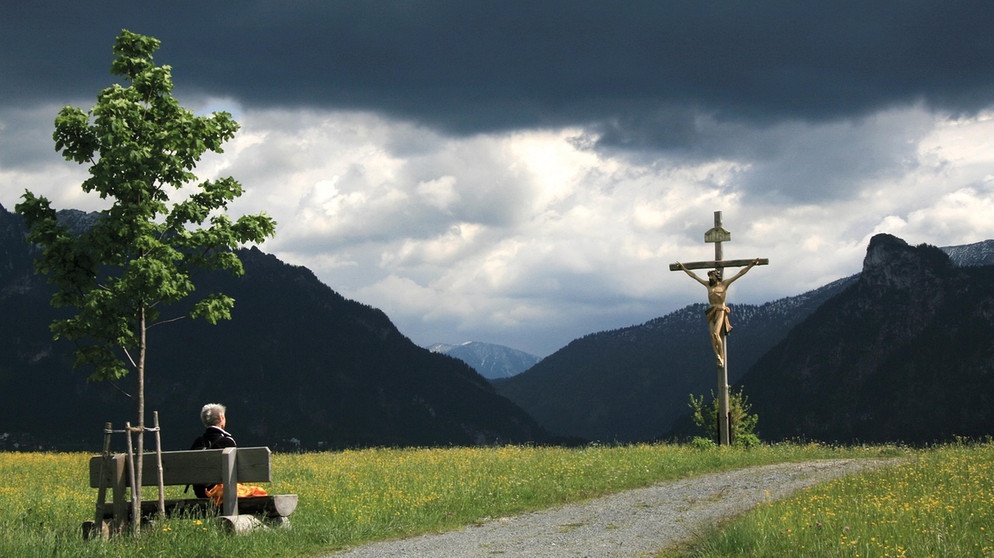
<point>523,173</point>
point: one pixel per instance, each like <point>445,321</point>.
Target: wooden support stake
<point>136,504</point>
<point>158,465</point>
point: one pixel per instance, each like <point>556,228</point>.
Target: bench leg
<point>230,505</point>
<point>120,505</point>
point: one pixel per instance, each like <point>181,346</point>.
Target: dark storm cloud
<point>634,71</point>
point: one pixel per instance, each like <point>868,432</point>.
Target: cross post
<point>717,312</point>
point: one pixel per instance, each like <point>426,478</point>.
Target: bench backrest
<point>193,467</point>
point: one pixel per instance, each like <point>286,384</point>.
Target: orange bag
<point>216,492</point>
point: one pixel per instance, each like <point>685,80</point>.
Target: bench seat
<point>228,466</point>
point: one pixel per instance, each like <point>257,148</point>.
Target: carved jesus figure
<point>717,312</point>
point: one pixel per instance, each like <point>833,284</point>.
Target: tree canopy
<point>138,257</point>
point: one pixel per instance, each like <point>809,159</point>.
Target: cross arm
<point>719,264</point>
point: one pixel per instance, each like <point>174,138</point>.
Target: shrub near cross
<point>227,466</point>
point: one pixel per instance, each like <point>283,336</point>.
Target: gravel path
<point>634,523</point>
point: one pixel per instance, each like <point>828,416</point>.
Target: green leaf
<point>214,308</point>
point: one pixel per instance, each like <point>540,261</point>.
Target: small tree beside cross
<point>121,275</point>
<point>743,420</point>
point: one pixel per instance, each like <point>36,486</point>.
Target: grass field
<point>938,503</point>
<point>352,497</point>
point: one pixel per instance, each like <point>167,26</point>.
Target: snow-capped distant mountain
<point>968,255</point>
<point>491,361</point>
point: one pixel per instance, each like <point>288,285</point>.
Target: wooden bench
<point>228,466</point>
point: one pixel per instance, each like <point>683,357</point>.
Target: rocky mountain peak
<point>906,355</point>
<point>892,264</point>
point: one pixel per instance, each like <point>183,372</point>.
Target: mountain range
<point>633,384</point>
<point>905,353</point>
<point>490,360</point>
<point>298,365</point>
<point>900,352</point>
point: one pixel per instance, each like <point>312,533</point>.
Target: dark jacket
<point>213,438</point>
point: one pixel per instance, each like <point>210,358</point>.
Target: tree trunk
<point>137,489</point>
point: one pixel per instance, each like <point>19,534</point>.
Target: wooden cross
<point>718,312</point>
<point>717,235</point>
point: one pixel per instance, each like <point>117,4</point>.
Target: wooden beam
<point>195,467</point>
<point>718,264</point>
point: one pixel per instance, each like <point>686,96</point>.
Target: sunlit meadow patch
<point>938,503</point>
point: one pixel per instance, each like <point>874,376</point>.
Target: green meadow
<point>936,502</point>
<point>939,502</point>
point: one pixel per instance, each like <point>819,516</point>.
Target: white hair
<point>211,414</point>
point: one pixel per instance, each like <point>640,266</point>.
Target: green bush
<point>743,421</point>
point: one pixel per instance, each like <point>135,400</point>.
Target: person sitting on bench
<point>215,437</point>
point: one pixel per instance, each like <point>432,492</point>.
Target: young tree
<point>123,272</point>
<point>743,420</point>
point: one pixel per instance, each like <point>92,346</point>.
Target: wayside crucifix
<point>717,313</point>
